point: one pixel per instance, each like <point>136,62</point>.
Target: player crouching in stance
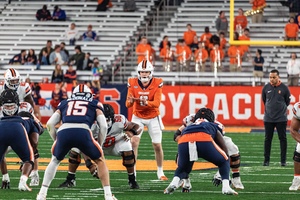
<point>117,143</point>
<point>294,128</point>
<point>77,115</point>
<point>14,133</point>
<point>233,152</point>
<point>202,139</point>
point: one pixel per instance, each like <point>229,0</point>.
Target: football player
<point>203,138</point>
<point>17,138</point>
<point>117,143</point>
<point>144,95</point>
<point>12,80</point>
<point>77,114</point>
<point>233,153</point>
<point>294,128</point>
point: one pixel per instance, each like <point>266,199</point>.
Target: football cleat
<point>163,178</point>
<point>68,184</point>
<point>23,186</point>
<point>170,189</point>
<point>133,184</point>
<point>295,185</point>
<point>186,185</point>
<point>40,197</point>
<point>35,178</point>
<point>110,197</point>
<point>229,191</point>
<point>5,184</point>
<point>237,183</point>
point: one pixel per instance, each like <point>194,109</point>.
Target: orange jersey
<point>233,52</point>
<point>258,3</point>
<point>181,49</point>
<point>167,54</point>
<point>242,20</point>
<point>204,55</point>
<point>188,37</point>
<point>205,37</point>
<point>291,30</point>
<point>143,48</point>
<point>152,93</point>
<point>213,55</point>
<point>245,48</point>
<point>223,43</point>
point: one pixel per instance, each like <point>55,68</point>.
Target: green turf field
<point>260,182</point>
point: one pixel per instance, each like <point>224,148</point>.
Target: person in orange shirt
<point>205,38</point>
<point>183,54</point>
<point>164,43</point>
<point>257,4</point>
<point>291,30</point>
<point>245,48</point>
<point>103,5</point>
<point>223,41</point>
<point>167,55</point>
<point>143,50</point>
<point>235,56</point>
<point>201,56</point>
<point>152,55</point>
<point>216,58</point>
<point>188,35</point>
<point>144,96</point>
<point>240,22</point>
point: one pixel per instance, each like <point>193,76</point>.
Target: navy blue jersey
<point>79,111</point>
<point>29,124</point>
<point>210,128</point>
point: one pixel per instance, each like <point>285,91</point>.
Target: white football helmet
<point>12,78</point>
<point>145,66</point>
<point>81,88</point>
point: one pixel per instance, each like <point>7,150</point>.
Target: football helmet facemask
<point>145,66</point>
<point>12,78</point>
<point>109,114</point>
<point>10,102</point>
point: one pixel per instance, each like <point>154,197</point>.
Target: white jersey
<point>296,110</point>
<point>24,106</point>
<point>23,90</point>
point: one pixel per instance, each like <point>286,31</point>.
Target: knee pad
<point>128,158</point>
<point>296,156</point>
<point>235,158</point>
<point>36,154</point>
<point>88,163</point>
<point>74,157</point>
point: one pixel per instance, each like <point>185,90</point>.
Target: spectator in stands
<point>59,14</point>
<point>19,59</point>
<point>183,54</point>
<point>257,5</point>
<point>58,56</point>
<point>258,63</point>
<point>223,40</point>
<point>215,39</point>
<point>96,86</point>
<point>97,69</point>
<point>72,34</point>
<point>129,6</point>
<point>103,5</point>
<point>293,70</point>
<point>44,60</point>
<point>64,91</point>
<point>57,74</point>
<point>189,35</point>
<point>291,30</point>
<point>194,45</point>
<point>164,43</point>
<point>152,56</point>
<point>31,58</point>
<point>205,38</point>
<point>222,23</point>
<point>48,50</point>
<point>38,100</point>
<point>167,55</point>
<point>143,50</point>
<point>56,96</point>
<point>70,74</point>
<point>240,22</point>
<point>201,56</point>
<point>216,58</point>
<point>87,62</point>
<point>235,56</point>
<point>294,7</point>
<point>43,14</point>
<point>245,48</point>
<point>78,58</point>
<point>89,35</point>
<point>63,48</point>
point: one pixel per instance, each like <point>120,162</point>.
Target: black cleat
<point>68,184</point>
<point>133,184</point>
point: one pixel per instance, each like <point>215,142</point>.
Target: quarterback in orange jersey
<point>144,95</point>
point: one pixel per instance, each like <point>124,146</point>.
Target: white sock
<point>5,177</point>
<point>49,175</point>
<point>175,181</point>
<point>107,191</point>
<point>225,183</point>
<point>160,171</point>
<point>24,178</point>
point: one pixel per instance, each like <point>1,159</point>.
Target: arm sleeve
<point>54,119</point>
<point>103,129</point>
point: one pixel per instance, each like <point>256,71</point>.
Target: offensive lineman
<point>117,143</point>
